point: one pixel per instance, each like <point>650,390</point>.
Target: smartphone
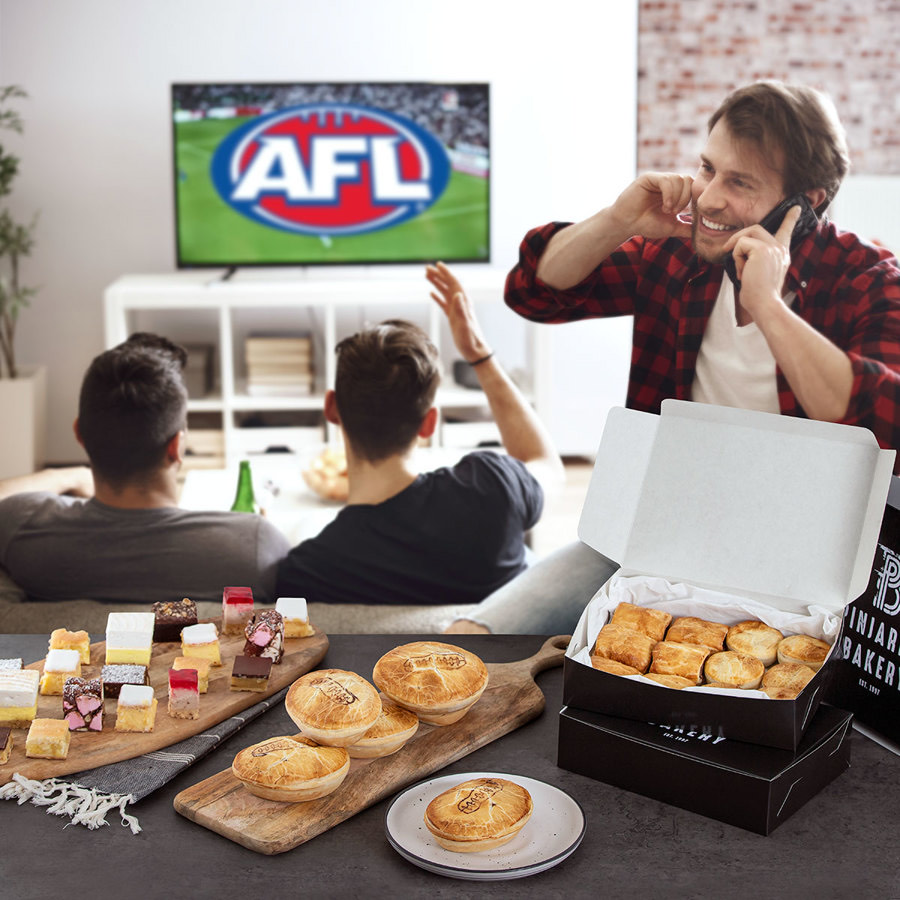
<point>772,222</point>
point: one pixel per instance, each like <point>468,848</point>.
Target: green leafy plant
<point>16,241</point>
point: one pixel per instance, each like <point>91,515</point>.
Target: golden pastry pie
<point>392,729</point>
<point>438,682</point>
<point>691,630</point>
<point>291,769</point>
<point>755,639</point>
<point>624,645</point>
<point>652,622</point>
<point>804,650</point>
<point>734,670</point>
<point>684,660</point>
<point>613,667</point>
<point>332,706</point>
<point>478,814</point>
<point>672,681</point>
<point>784,681</point>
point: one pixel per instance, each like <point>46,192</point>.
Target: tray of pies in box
<point>158,678</point>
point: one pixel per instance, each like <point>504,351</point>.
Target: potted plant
<point>23,391</point>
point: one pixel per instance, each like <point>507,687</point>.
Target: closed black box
<point>747,785</point>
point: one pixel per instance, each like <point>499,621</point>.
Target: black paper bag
<point>866,675</point>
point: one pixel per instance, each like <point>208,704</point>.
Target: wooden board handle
<point>551,654</point>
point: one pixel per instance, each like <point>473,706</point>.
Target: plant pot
<point>23,414</point>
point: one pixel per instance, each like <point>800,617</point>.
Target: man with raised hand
<point>445,537</point>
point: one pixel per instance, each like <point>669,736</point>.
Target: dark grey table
<point>843,843</point>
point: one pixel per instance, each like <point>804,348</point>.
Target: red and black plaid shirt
<point>847,290</point>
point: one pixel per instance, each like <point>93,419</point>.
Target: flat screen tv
<point>331,173</point>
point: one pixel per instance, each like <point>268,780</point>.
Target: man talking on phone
<point>810,325</point>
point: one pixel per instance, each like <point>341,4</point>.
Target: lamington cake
<point>129,638</point>
<point>59,665</point>
<point>6,743</point>
<point>296,616</point>
<point>48,739</point>
<point>136,710</point>
<point>200,664</point>
<point>83,704</point>
<point>250,673</point>
<point>265,636</point>
<point>184,697</point>
<point>63,639</point>
<point>116,676</point>
<point>237,609</point>
<point>18,697</point>
<point>203,641</point>
<point>171,616</point>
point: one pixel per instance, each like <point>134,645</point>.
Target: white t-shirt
<point>735,366</point>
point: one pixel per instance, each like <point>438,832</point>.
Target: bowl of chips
<point>326,474</point>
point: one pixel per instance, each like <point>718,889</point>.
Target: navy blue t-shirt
<point>452,537</point>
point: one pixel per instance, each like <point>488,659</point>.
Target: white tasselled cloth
<point>88,797</point>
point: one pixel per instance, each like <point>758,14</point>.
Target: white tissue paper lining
<point>681,599</point>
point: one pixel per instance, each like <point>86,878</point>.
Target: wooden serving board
<point>88,750</point>
<point>511,699</point>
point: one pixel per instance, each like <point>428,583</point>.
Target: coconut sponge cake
<point>478,814</point>
<point>332,706</point>
<point>438,682</point>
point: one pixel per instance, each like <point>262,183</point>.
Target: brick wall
<point>691,53</point>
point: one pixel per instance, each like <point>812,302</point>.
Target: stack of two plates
<point>535,849</point>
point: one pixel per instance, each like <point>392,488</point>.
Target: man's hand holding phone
<point>761,262</point>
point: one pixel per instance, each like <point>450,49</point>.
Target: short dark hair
<point>795,122</point>
<point>385,384</point>
<point>132,403</point>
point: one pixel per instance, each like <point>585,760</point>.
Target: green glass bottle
<point>244,499</point>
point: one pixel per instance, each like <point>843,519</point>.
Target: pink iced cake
<point>184,694</point>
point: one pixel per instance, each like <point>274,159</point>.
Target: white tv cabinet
<point>198,306</point>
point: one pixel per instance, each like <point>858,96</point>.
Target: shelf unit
<point>198,306</point>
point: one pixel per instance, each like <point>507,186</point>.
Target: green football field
<point>211,233</point>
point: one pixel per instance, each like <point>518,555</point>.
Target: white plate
<point>554,832</point>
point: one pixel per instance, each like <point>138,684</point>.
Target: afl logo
<point>330,169</point>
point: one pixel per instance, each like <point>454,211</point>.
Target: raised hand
<point>452,299</point>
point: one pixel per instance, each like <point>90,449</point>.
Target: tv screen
<point>336,173</point>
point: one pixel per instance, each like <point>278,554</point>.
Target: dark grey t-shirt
<point>62,548</point>
<point>453,536</point>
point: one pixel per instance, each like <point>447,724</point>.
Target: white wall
<point>96,153</point>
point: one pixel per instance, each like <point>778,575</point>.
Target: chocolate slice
<point>114,676</point>
<point>171,617</point>
<point>250,673</point>
<point>251,667</point>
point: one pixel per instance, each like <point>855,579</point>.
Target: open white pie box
<point>727,515</point>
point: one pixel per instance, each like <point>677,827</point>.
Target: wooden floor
<point>559,523</point>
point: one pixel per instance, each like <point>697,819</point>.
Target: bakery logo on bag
<point>436,660</point>
<point>335,691</point>
<point>473,801</point>
<point>330,169</point>
<point>887,595</point>
<point>871,636</point>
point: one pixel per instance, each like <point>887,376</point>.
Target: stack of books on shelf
<point>279,365</point>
